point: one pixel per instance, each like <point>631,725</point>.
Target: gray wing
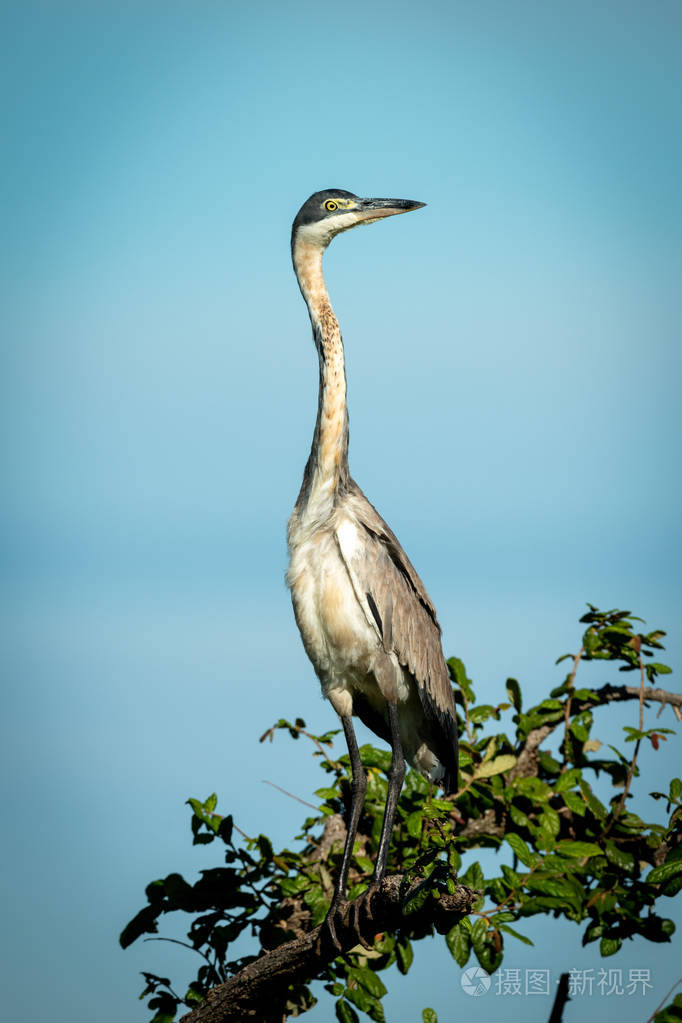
<point>396,603</point>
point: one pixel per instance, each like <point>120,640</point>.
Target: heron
<point>365,618</point>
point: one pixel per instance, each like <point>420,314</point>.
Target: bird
<point>365,618</point>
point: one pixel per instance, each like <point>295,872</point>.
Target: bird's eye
<point>330,205</point>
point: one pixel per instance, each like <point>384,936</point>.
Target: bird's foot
<point>363,907</point>
<point>352,916</point>
<point>336,916</point>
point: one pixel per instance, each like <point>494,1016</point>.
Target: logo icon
<point>475,981</point>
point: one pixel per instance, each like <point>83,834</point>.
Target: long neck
<point>327,466</point>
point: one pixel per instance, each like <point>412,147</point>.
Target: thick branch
<point>254,992</point>
<point>614,694</point>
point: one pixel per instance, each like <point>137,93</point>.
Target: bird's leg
<point>396,775</point>
<point>358,789</point>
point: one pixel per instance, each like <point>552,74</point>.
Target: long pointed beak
<point>375,209</point>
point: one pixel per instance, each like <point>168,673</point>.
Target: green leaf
<point>567,780</point>
<point>495,766</point>
<point>473,876</point>
<point>478,932</point>
<point>519,818</point>
<point>551,705</point>
<point>574,802</point>
<point>481,713</point>
<point>429,1016</point>
<point>458,941</point>
<point>414,824</point>
<point>369,980</point>
<point>519,848</point>
<point>515,934</point>
<point>143,923</point>
<point>609,946</point>
<point>192,996</point>
<point>596,807</point>
<point>548,763</point>
<point>458,672</point>
<point>372,757</point>
<point>265,847</point>
<point>581,733</point>
<point>591,643</point>
<point>663,873</point>
<point>514,692</point>
<point>416,899</point>
<point>536,790</point>
<point>579,850</point>
<point>593,932</point>
<point>162,1017</point>
<point>585,694</point>
<point>512,879</point>
<point>225,829</point>
<point>358,996</point>
<point>404,954</point>
<point>549,820</point>
<point>560,888</point>
<point>487,947</point>
<point>318,903</point>
<point>345,1013</point>
<point>365,1001</point>
<point>618,856</point>
<point>454,860</point>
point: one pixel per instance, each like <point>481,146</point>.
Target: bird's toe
<point>356,921</point>
<point>368,900</point>
<point>335,916</point>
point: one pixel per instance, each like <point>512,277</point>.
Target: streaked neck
<point>328,463</point>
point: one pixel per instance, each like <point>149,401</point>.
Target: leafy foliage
<point>562,850</point>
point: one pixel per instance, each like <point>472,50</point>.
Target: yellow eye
<point>330,205</point>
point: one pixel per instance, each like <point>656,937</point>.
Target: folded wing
<point>397,605</point>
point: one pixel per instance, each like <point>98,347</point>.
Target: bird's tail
<point>451,781</point>
<point>445,744</point>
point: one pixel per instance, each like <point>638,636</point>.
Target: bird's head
<point>325,214</point>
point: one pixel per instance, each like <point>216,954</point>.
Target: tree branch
<point>614,694</point>
<point>493,822</point>
<point>258,988</point>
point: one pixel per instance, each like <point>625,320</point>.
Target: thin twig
<point>467,722</point>
<point>175,941</point>
<point>290,794</point>
<point>313,738</point>
<point>234,826</point>
<point>567,709</point>
<point>513,890</point>
<point>637,643</point>
<point>641,688</point>
<point>661,1004</point>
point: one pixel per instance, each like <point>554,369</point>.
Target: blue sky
<point>513,361</point>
